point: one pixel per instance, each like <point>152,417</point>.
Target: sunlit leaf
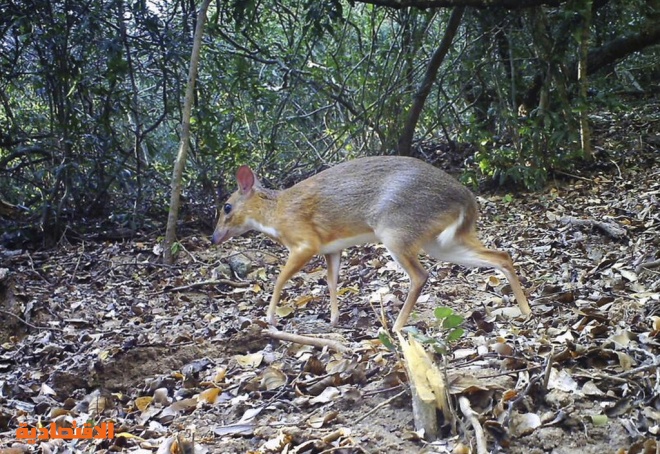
<point>385,340</point>
<point>452,321</point>
<point>442,312</point>
<point>455,334</point>
<point>599,420</point>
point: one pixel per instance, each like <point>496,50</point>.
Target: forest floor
<point>173,355</point>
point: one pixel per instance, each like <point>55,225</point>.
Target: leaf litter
<point>104,332</point>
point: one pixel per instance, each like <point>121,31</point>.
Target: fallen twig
<point>609,228</point>
<point>75,270</point>
<point>25,322</point>
<point>306,340</point>
<point>637,370</point>
<point>203,284</point>
<point>466,409</point>
<point>519,398</point>
<point>647,265</point>
<point>379,406</point>
<point>577,177</point>
<point>194,259</point>
<point>548,368</point>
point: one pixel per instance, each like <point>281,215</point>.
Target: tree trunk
<point>585,132</point>
<point>177,173</point>
<point>405,141</point>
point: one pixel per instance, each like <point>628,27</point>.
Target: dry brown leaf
<point>251,360</point>
<point>57,411</point>
<point>272,378</point>
<point>328,395</point>
<point>97,405</point>
<point>622,338</point>
<point>182,406</point>
<point>562,381</point>
<point>493,281</point>
<point>591,389</point>
<point>314,366</point>
<point>278,443</point>
<point>303,301</point>
<point>524,424</point>
<point>502,348</point>
<point>47,390</point>
<point>655,322</point>
<point>465,384</point>
<point>628,275</point>
<point>317,422</point>
<point>625,361</point>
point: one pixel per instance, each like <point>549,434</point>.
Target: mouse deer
<point>404,203</point>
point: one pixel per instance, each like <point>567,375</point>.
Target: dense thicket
<point>91,93</point>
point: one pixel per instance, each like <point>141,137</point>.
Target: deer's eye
<point>227,208</point>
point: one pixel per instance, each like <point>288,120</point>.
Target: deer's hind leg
<point>468,251</point>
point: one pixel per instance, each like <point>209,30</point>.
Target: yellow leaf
<point>656,323</point>
<point>284,311</point>
<point>220,375</point>
<point>493,281</point>
<point>141,403</point>
<point>209,396</point>
<point>250,360</point>
<point>303,301</point>
<point>344,290</point>
<point>127,435</point>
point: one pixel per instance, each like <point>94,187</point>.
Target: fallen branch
<point>204,284</point>
<point>647,265</point>
<point>25,322</point>
<point>609,228</point>
<point>306,340</point>
<point>521,396</point>
<point>637,370</point>
<point>466,409</point>
<point>577,177</point>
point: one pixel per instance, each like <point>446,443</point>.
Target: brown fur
<point>402,202</point>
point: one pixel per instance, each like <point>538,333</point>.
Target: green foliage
<point>176,248</point>
<point>450,330</point>
<point>91,95</point>
<point>323,15</point>
<point>384,339</point>
<point>451,326</point>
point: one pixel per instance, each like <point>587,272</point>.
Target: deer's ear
<point>245,179</point>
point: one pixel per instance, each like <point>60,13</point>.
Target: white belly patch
<point>343,243</point>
